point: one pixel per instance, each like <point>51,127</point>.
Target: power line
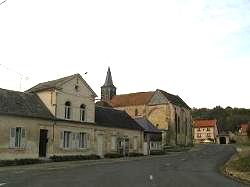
<point>18,73</point>
<point>3,2</point>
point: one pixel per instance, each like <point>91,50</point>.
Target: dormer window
<point>82,112</point>
<point>67,112</point>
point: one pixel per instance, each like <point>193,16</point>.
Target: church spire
<point>108,90</point>
<point>108,81</point>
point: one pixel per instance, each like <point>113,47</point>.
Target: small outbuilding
<point>152,136</point>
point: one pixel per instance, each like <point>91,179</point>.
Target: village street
<point>197,167</point>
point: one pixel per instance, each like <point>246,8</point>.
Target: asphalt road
<point>198,167</point>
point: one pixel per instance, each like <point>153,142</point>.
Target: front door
<point>43,142</point>
<point>100,145</point>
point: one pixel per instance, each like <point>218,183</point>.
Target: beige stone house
<point>59,117</point>
<point>166,111</point>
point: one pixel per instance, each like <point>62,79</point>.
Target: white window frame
<point>67,111</point>
<point>135,143</point>
<point>17,137</point>
<point>83,114</point>
<point>66,139</point>
<point>113,143</point>
<point>83,144</point>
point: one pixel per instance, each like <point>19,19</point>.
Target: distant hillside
<point>228,118</point>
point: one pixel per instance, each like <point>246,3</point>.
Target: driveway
<point>198,167</point>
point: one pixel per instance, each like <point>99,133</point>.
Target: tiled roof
<point>22,104</point>
<point>133,99</point>
<point>205,123</point>
<point>103,104</point>
<point>56,84</point>
<point>147,125</point>
<point>175,99</point>
<point>109,117</point>
<point>50,84</point>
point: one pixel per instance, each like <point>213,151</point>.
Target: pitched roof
<point>108,81</point>
<point>205,123</point>
<point>109,117</point>
<point>147,125</point>
<point>132,99</point>
<point>103,104</point>
<point>56,84</point>
<point>22,104</point>
<point>175,99</point>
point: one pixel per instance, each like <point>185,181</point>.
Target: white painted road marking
<point>1,184</point>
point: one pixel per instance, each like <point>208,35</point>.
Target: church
<point>168,112</point>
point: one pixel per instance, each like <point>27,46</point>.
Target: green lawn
<point>242,164</point>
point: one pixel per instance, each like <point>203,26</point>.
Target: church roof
<point>109,117</point>
<point>108,81</point>
<point>132,99</point>
<point>56,84</point>
<point>22,104</point>
<point>174,99</point>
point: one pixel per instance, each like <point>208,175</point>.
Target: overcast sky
<point>197,49</point>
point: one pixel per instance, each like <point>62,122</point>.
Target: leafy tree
<point>229,119</point>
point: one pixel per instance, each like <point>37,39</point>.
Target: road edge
<point>229,173</point>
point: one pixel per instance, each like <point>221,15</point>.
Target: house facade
<point>243,129</point>
<point>166,111</point>
<point>59,117</point>
<point>205,131</point>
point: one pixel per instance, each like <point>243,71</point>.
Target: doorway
<point>43,143</point>
<point>223,140</point>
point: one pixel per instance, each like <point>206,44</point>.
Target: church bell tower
<point>108,90</point>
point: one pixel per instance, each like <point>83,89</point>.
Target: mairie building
<point>59,117</point>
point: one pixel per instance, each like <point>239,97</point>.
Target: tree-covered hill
<point>229,119</point>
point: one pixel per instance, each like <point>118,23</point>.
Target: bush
<point>135,154</point>
<point>74,158</point>
<point>113,155</point>
<point>160,152</point>
<point>17,162</point>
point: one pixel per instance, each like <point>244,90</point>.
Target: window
<point>67,112</point>
<point>66,139</point>
<point>136,112</point>
<point>17,137</point>
<point>82,112</point>
<point>199,129</point>
<point>208,129</point>
<point>208,135</point>
<point>113,143</point>
<point>135,143</point>
<point>198,135</point>
<point>82,140</point>
<point>178,123</point>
